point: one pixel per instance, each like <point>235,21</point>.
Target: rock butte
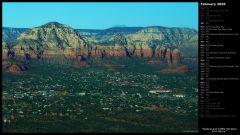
<point>16,68</point>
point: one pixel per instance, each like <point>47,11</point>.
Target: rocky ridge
<point>54,39</point>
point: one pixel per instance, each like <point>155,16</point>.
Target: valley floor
<point>132,98</point>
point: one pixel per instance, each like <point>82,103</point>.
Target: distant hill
<point>9,34</point>
<point>143,35</point>
<point>134,35</point>
<point>163,35</point>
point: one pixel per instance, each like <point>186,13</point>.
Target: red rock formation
<point>109,52</point>
<point>138,51</point>
<point>162,52</point>
<point>19,51</point>
<point>119,51</point>
<point>99,53</point>
<point>83,52</point>
<point>175,56</point>
<point>4,55</point>
<point>96,52</point>
<point>147,52</point>
<point>69,53</point>
<point>50,53</point>
<point>168,57</point>
<point>157,52</point>
<point>131,49</point>
<point>81,62</point>
<point>16,68</point>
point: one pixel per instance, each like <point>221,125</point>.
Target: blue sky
<point>100,15</point>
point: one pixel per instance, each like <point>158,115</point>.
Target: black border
<point>235,15</point>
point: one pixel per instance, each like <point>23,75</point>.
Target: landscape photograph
<point>94,67</point>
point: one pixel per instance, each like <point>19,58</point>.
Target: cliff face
<point>54,39</point>
<point>163,35</point>
<point>51,39</point>
<point>143,35</point>
<point>52,35</point>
